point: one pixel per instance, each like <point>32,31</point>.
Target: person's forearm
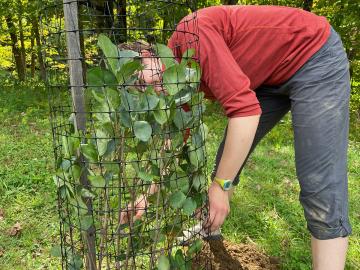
<point>239,138</point>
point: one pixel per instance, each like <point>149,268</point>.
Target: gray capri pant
<point>318,97</point>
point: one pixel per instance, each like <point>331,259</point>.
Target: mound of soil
<point>223,255</point>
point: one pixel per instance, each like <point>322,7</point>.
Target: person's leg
<point>329,254</point>
<point>319,104</point>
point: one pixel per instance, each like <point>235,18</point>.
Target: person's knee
<point>329,231</point>
<point>326,216</point>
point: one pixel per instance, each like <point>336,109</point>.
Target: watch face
<point>227,185</point>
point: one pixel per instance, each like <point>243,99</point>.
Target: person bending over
<point>261,62</point>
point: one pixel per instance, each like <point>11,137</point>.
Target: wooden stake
<point>77,93</point>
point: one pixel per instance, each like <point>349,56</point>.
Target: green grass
<point>264,210</point>
<point>27,193</point>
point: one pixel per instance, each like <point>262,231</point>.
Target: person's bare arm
<point>239,138</point>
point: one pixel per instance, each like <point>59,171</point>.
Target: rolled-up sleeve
<point>223,76</point>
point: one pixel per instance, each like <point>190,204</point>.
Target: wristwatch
<point>225,184</point>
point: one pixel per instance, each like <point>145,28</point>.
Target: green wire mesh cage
<point>129,140</point>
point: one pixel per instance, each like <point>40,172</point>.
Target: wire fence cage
<point>129,139</point>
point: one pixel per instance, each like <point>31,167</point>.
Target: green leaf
<point>163,263</point>
<point>89,151</point>
<point>189,206</point>
<point>58,181</point>
<point>141,147</point>
<point>166,55</point>
<point>86,222</point>
<point>180,260</point>
<point>197,98</point>
<point>75,261</point>
<point>103,117</point>
<point>108,128</point>
<point>198,110</point>
<point>98,77</point>
<point>126,56</point>
<point>177,139</point>
<point>128,101</point>
<point>183,96</point>
<point>110,51</point>
<point>145,176</point>
<point>196,140</point>
<point>197,156</point>
<point>65,147</point>
<point>177,199</point>
<point>142,130</point>
<point>112,167</point>
<point>108,100</point>
<point>127,70</point>
<point>188,53</point>
<point>199,181</point>
<point>179,181</point>
<point>79,205</point>
<point>101,141</point>
<point>148,102</point>
<point>75,172</point>
<point>87,193</point>
<point>193,74</point>
<point>125,119</point>
<point>65,164</point>
<point>174,79</point>
<point>55,251</point>
<point>204,131</point>
<point>113,98</point>
<point>200,198</point>
<point>162,112</point>
<point>195,247</point>
<point>135,165</point>
<point>182,118</point>
<point>97,181</point>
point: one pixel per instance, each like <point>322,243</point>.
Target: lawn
<point>265,209</point>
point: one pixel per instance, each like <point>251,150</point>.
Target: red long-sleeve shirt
<point>243,47</point>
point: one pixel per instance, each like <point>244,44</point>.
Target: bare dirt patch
<point>225,255</point>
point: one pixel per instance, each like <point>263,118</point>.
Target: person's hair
<point>137,46</point>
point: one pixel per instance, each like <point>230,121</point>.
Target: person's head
<point>153,68</point>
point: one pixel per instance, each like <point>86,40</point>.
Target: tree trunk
<point>121,20</point>
<point>15,48</point>
<point>230,2</point>
<point>33,53</point>
<point>35,25</point>
<point>106,11</point>
<point>307,5</point>
<point>21,36</point>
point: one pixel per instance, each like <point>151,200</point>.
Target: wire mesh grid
<point>129,140</point>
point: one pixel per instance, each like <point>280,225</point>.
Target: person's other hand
<point>219,207</point>
<point>137,211</point>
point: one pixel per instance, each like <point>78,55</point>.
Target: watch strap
<point>225,184</point>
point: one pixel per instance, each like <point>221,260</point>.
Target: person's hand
<point>219,207</point>
<point>137,211</point>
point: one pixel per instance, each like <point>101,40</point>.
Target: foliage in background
<point>20,42</point>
